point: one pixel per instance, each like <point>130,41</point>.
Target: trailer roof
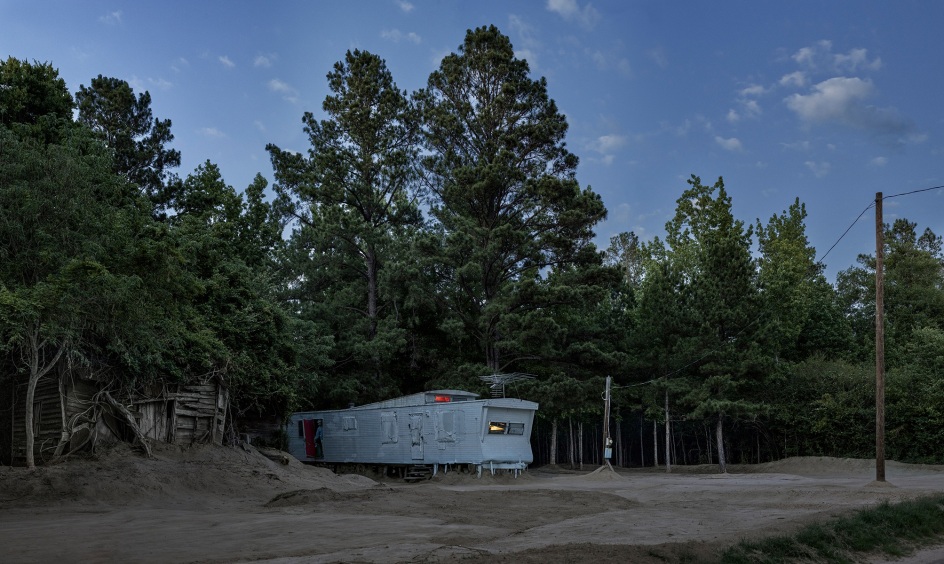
<point>422,398</point>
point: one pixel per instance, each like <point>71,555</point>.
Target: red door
<point>310,451</point>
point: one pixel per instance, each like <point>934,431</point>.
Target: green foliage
<point>352,204</point>
<point>503,195</point>
<point>148,278</point>
<point>914,290</point>
<point>233,325</point>
<point>711,251</point>
<point>31,91</point>
<point>127,127</point>
<point>890,529</point>
<point>802,316</point>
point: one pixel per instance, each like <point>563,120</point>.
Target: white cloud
<point>797,146</point>
<point>831,100</point>
<point>748,108</point>
<point>405,6</point>
<point>226,61</point>
<point>526,45</point>
<point>819,169</point>
<point>527,55</point>
<point>283,88</point>
<point>606,145</point>
<point>397,36</point>
<point>570,10</point>
<point>111,18</point>
<point>658,56</point>
<point>855,59</point>
<point>609,143</point>
<point>797,79</point>
<point>136,83</point>
<point>879,161</point>
<point>752,90</point>
<point>264,61</point>
<point>624,68</point>
<point>820,56</point>
<point>752,108</point>
<point>211,132</point>
<point>277,85</point>
<point>842,100</point>
<point>260,126</point>
<point>732,144</point>
<point>160,83</point>
<point>179,63</point>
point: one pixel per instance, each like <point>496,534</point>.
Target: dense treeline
<point>427,239</point>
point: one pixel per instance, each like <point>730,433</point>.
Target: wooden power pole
<point>879,341</point>
<point>607,441</point>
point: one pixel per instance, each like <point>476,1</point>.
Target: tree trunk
<point>553,454</point>
<point>371,263</point>
<point>570,449</point>
<point>619,444</point>
<point>372,291</point>
<point>642,444</point>
<point>36,347</point>
<point>66,433</point>
<point>668,436</point>
<point>129,419</point>
<point>655,444</point>
<point>580,444</point>
<point>719,437</point>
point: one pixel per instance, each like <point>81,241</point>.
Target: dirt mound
<point>823,465</point>
<point>118,476</point>
<point>306,497</point>
<point>220,504</point>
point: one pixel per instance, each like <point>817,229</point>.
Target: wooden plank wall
<point>200,414</point>
<point>47,420</point>
<point>192,414</point>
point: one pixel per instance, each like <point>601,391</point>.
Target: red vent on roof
<point>443,398</point>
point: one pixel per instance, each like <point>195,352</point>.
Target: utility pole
<point>668,435</point>
<point>607,441</point>
<point>879,341</point>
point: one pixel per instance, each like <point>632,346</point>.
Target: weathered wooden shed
<point>441,427</point>
<point>72,411</point>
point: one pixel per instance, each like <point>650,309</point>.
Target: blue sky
<point>830,102</point>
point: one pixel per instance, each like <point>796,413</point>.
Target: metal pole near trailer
<point>607,441</point>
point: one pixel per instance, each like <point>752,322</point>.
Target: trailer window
<point>349,423</point>
<point>516,428</point>
<point>497,427</point>
<point>388,428</point>
<point>446,427</point>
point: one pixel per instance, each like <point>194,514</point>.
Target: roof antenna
<point>496,382</point>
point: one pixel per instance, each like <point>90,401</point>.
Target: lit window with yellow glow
<point>497,428</point>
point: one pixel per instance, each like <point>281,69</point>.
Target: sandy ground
<point>219,504</point>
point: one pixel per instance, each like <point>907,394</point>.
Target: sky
<point>828,102</point>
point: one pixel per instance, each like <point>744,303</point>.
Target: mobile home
<point>428,429</point>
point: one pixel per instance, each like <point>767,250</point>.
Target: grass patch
<point>893,529</point>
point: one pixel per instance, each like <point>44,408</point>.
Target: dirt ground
<point>220,504</point>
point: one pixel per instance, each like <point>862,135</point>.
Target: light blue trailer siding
<point>438,427</point>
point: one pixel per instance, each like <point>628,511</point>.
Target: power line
<point>913,192</point>
<point>867,208</point>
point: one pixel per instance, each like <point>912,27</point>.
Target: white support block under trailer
<point>428,430</point>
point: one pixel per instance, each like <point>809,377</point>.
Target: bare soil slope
<point>219,504</point>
